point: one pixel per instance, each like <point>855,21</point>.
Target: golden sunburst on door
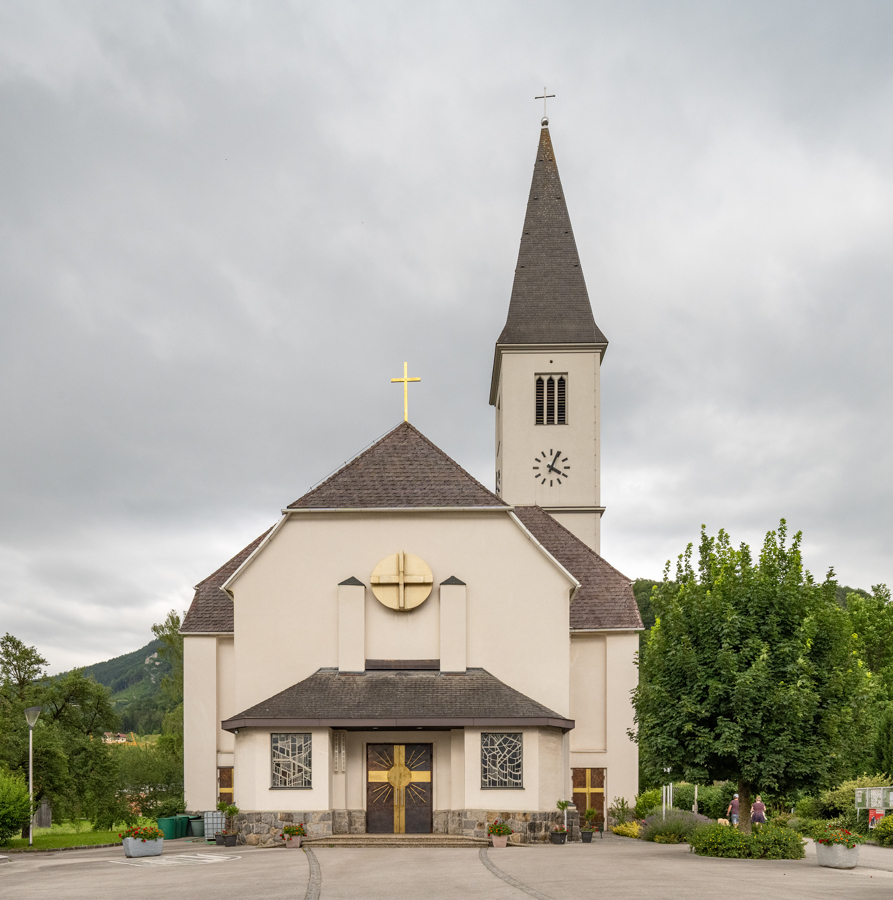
<point>398,788</point>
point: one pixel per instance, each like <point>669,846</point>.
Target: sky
<point>224,226</point>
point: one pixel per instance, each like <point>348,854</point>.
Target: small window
<point>501,760</point>
<point>290,760</point>
<point>550,400</point>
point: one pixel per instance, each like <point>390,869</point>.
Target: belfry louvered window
<point>551,400</point>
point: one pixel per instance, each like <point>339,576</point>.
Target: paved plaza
<point>615,867</point>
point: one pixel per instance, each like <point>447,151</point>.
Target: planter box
<point>226,840</point>
<point>837,856</point>
<point>586,837</point>
<point>292,841</point>
<point>499,840</point>
<point>558,837</point>
<point>134,847</point>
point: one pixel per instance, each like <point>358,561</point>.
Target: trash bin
<point>196,826</point>
<point>168,826</point>
<point>182,825</point>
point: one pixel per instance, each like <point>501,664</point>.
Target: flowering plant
<point>500,829</point>
<point>840,836</point>
<point>142,833</point>
<point>559,829</point>
<point>294,830</point>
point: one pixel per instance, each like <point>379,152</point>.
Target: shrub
<point>781,820</point>
<point>620,810</point>
<point>810,808</point>
<point>171,807</point>
<point>677,823</point>
<point>627,829</point>
<point>883,832</point>
<point>843,798</point>
<point>714,799</point>
<point>646,801</point>
<point>806,827</point>
<point>763,843</point>
<point>851,821</point>
<point>15,805</point>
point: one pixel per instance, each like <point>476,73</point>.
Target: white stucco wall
<point>517,601</point>
<point>603,675</point>
<point>200,721</point>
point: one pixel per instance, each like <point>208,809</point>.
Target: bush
<point>810,808</point>
<point>806,827</point>
<point>714,799</point>
<point>843,798</point>
<point>883,832</point>
<point>763,843</point>
<point>627,829</point>
<point>677,824</point>
<point>15,806</point>
<point>781,820</point>
<point>171,807</point>
<point>646,801</point>
<point>851,821</point>
<point>619,810</point>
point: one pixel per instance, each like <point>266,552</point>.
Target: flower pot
<point>292,841</point>
<point>499,840</point>
<point>134,847</point>
<point>837,856</point>
<point>219,839</point>
<point>558,837</point>
<point>586,836</point>
<point>229,840</point>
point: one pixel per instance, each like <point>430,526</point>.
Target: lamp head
<point>31,714</point>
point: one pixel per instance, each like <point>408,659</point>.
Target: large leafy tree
<point>171,650</point>
<point>749,674</point>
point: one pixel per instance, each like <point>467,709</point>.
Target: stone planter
<point>837,856</point>
<point>499,840</point>
<point>586,836</point>
<point>134,847</point>
<point>558,837</point>
<point>292,842</point>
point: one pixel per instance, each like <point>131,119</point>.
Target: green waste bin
<point>168,826</point>
<point>182,825</point>
<point>197,826</point>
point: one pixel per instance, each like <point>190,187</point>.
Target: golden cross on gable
<point>405,379</point>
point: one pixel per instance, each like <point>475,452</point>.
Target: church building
<point>405,651</point>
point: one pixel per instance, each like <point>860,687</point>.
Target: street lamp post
<point>31,714</point>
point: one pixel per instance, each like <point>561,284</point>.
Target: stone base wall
<point>528,827</point>
<point>263,828</point>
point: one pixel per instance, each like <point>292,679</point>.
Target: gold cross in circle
<point>405,379</point>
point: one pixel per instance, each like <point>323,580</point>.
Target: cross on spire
<point>544,96</point>
<point>405,379</point>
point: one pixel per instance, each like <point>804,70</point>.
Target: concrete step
<point>396,840</point>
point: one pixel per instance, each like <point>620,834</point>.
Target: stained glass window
<point>290,756</point>
<point>501,760</point>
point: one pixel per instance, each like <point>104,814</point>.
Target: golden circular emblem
<point>402,581</point>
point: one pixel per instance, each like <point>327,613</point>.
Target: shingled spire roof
<point>549,303</point>
<point>402,470</point>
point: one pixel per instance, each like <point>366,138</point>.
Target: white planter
<point>134,847</point>
<point>837,856</point>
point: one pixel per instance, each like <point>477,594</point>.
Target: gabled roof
<point>549,303</point>
<point>605,598</point>
<point>398,699</point>
<point>402,470</point>
<point>211,610</point>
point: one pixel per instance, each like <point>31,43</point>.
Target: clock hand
<point>552,468</point>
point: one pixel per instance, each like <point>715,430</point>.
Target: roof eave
<point>392,509</point>
<point>400,723</point>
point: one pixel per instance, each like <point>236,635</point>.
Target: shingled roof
<point>402,470</point>
<point>605,598</point>
<point>398,699</point>
<point>211,610</point>
<point>549,303</point>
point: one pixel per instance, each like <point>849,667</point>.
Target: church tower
<point>545,384</point>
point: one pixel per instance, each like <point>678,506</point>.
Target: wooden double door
<point>589,791</point>
<point>399,799</point>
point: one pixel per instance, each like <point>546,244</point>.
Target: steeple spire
<point>549,303</point>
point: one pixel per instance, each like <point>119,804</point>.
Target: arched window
<point>550,400</point>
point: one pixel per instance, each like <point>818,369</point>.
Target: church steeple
<point>549,303</point>
<point>547,368</point>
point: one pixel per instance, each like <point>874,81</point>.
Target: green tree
<point>883,745</point>
<point>749,673</point>
<point>15,806</point>
<point>20,668</point>
<point>171,650</point>
<point>871,619</point>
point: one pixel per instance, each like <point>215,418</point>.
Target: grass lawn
<point>66,835</point>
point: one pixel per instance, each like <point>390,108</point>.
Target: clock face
<point>551,468</point>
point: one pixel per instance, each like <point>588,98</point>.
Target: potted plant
<point>142,840</point>
<point>499,833</point>
<point>229,836</point>
<point>592,822</point>
<point>292,835</point>
<point>558,835</point>
<point>838,848</point>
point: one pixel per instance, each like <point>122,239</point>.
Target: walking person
<point>758,812</point>
<point>732,811</point>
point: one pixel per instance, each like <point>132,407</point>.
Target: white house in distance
<point>405,651</point>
